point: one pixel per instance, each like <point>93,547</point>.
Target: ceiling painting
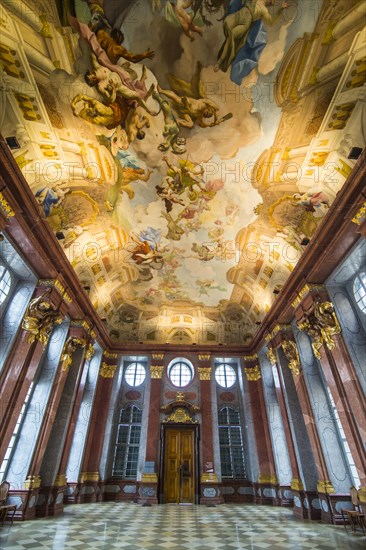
<point>184,153</point>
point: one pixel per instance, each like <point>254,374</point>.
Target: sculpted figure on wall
<point>40,319</point>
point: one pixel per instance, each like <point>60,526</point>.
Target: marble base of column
<point>285,496</point>
<point>306,505</point>
<point>50,501</point>
<point>71,493</point>
<point>266,493</point>
<point>210,490</point>
<point>147,490</point>
<point>25,501</point>
<point>89,492</point>
<point>118,490</point>
<point>237,491</point>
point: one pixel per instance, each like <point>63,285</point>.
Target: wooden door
<point>179,467</point>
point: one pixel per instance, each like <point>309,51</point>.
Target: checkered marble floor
<point>171,527</point>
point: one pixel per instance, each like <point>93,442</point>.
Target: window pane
<point>359,291</point>
<point>225,375</point>
<point>135,374</point>
<point>180,374</point>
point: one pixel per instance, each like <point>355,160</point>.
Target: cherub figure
<point>189,101</point>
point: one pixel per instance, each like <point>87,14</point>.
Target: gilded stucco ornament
<point>290,350</point>
<point>322,324</point>
<point>107,371</point>
<point>204,373</point>
<point>5,207</point>
<point>271,355</point>
<point>89,352</point>
<point>71,345</point>
<point>156,371</point>
<point>180,416</point>
<point>40,319</point>
<point>253,374</point>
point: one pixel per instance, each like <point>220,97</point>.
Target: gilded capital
<point>5,207</point>
<point>359,217</point>
<point>107,371</point>
<point>292,355</point>
<point>204,356</point>
<point>158,356</point>
<point>271,355</point>
<point>204,373</point>
<point>71,345</point>
<point>253,374</point>
<point>253,357</point>
<point>156,371</point>
<point>89,352</point>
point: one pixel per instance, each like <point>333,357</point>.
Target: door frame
<point>196,438</point>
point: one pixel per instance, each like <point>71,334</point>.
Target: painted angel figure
<point>177,14</point>
<point>245,36</point>
<point>189,101</point>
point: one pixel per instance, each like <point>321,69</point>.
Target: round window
<point>359,290</point>
<point>135,374</point>
<point>225,375</point>
<point>180,374</point>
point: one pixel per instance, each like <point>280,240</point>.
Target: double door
<point>179,466</point>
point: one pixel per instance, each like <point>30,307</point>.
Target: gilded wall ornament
<point>250,357</point>
<point>107,371</point>
<point>309,287</point>
<point>204,373</point>
<point>5,207</point>
<point>292,355</point>
<point>271,355</point>
<point>71,345</point>
<point>321,325</point>
<point>180,416</point>
<point>89,352</point>
<point>204,357</point>
<point>325,486</point>
<point>159,356</point>
<point>253,374</point>
<point>156,371</point>
<point>360,216</point>
<point>40,319</point>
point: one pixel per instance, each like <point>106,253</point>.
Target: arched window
<point>225,375</point>
<point>5,283</point>
<point>231,444</point>
<point>359,291</point>
<point>180,373</point>
<point>126,452</point>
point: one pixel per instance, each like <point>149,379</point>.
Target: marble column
<point>147,487</point>
<point>211,493</point>
<point>50,500</point>
<point>267,484</point>
<point>89,490</point>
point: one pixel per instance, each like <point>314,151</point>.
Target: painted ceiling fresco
<point>185,152</point>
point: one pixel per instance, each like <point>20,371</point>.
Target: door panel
<point>179,466</point>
